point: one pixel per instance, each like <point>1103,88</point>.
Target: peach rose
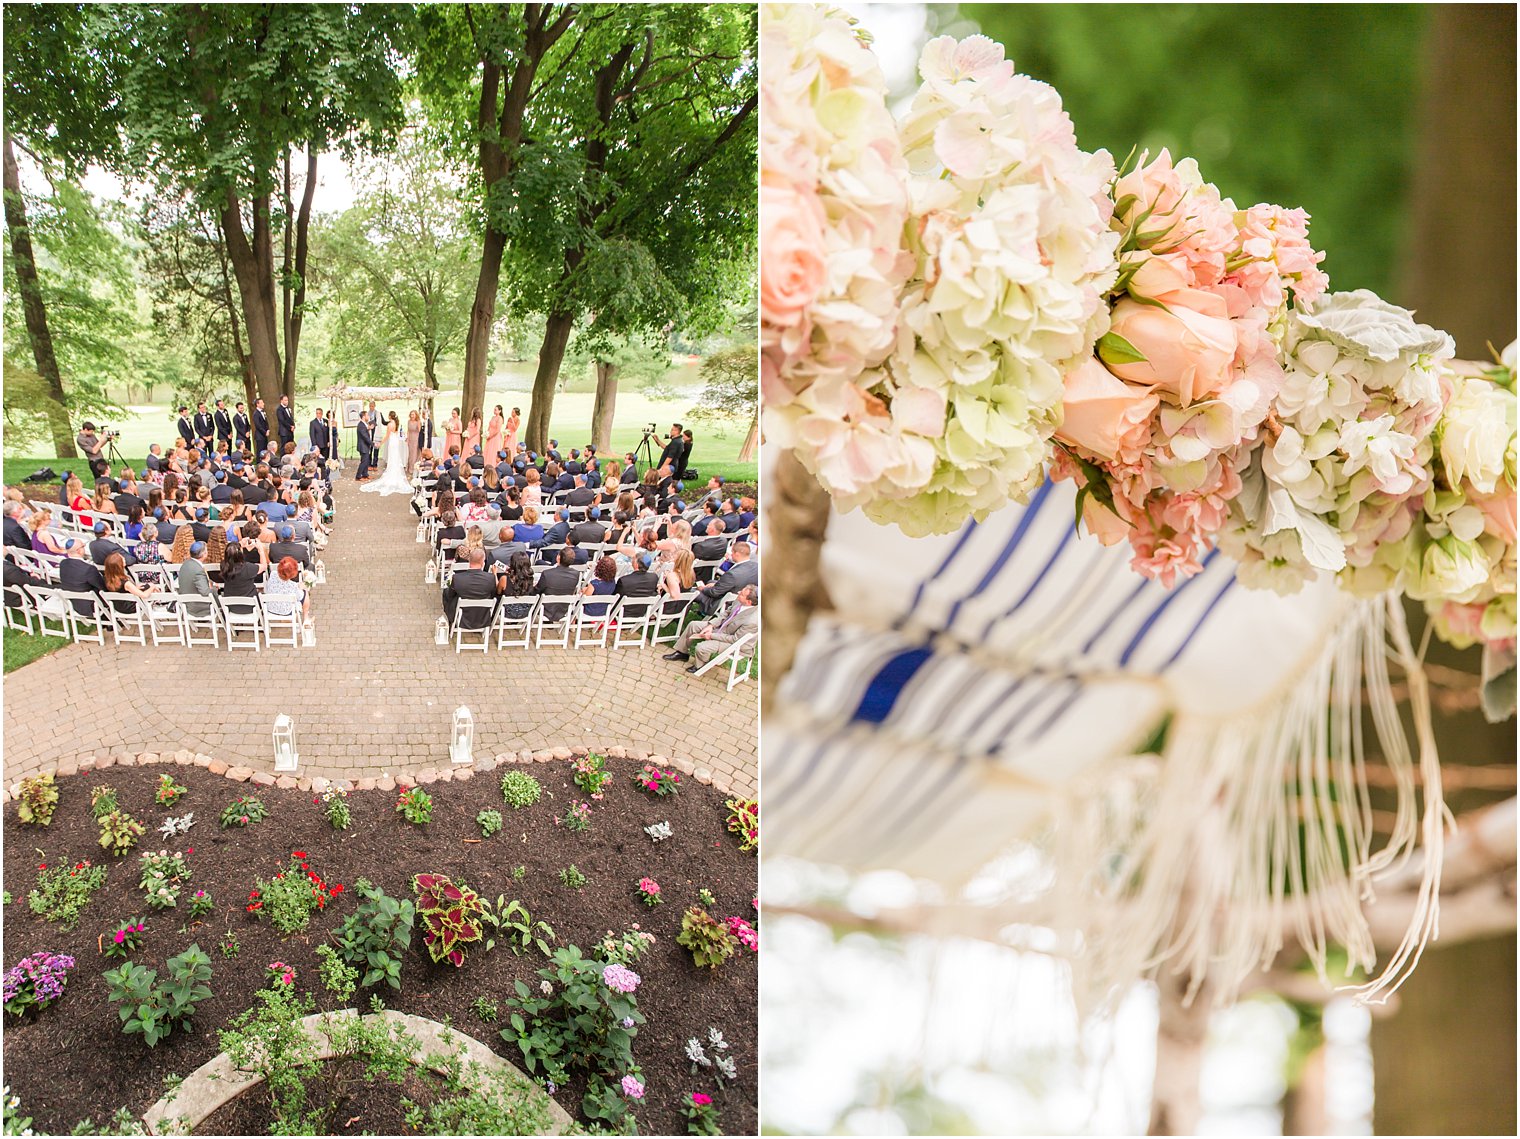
<point>1498,515</point>
<point>1101,413</point>
<point>792,264</point>
<point>1189,346</point>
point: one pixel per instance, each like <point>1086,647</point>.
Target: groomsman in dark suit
<point>318,435</point>
<point>285,422</point>
<point>241,427</point>
<point>184,427</point>
<point>204,427</point>
<point>366,445</point>
<point>223,420</point>
<point>260,427</point>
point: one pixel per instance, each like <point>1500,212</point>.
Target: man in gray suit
<point>744,571</point>
<point>193,581</point>
<point>699,642</point>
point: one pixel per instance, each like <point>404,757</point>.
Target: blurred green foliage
<point>1301,105</point>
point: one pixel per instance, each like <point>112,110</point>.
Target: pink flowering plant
<point>36,981</point>
<point>701,1115</point>
<point>648,891</point>
<point>201,904</point>
<point>657,780</point>
<point>125,939</point>
<point>278,973</point>
<point>744,933</point>
<point>577,818</point>
<point>590,774</point>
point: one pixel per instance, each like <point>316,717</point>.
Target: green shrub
<point>572,877</point>
<point>709,940</point>
<point>510,920</point>
<point>374,937</point>
<point>162,878</point>
<point>102,800</point>
<point>288,900</point>
<point>451,914</point>
<point>243,811</point>
<point>156,1010</point>
<point>486,1009</point>
<point>62,891</point>
<point>416,804</point>
<point>483,1102</point>
<point>489,823</point>
<point>520,789</point>
<point>335,808</point>
<point>337,978</point>
<point>119,831</point>
<point>37,800</point>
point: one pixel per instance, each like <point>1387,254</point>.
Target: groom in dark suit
<point>366,446</point>
<point>285,422</point>
<point>318,435</point>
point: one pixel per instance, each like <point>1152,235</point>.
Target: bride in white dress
<point>394,481</point>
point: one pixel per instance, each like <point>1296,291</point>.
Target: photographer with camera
<point>92,445</point>
<point>673,449</point>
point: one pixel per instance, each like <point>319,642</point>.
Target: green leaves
<point>1113,349</point>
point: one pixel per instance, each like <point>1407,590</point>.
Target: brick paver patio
<point>376,695</point>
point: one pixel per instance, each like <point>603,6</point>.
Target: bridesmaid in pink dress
<point>471,436</point>
<point>454,433</point>
<point>493,437</point>
<point>509,440</point>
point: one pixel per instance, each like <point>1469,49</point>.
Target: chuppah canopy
<point>350,398</point>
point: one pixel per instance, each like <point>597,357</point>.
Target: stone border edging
<point>187,758</point>
<point>217,1083</point>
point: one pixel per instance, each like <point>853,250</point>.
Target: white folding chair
<point>87,623</point>
<point>594,616</point>
<point>242,615</point>
<point>18,609</point>
<point>163,620</point>
<point>52,611</point>
<point>633,621</point>
<point>516,632</point>
<point>199,617</point>
<point>741,652</point>
<point>129,624</point>
<point>286,625</point>
<point>706,570</point>
<point>461,631</point>
<point>561,626</point>
<point>666,621</point>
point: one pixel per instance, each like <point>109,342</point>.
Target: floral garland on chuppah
<point>961,303</point>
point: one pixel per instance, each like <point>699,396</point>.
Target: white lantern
<point>285,756</point>
<point>441,632</point>
<point>421,532</point>
<point>432,572</point>
<point>464,736</point>
<point>309,633</point>
<point>321,572</point>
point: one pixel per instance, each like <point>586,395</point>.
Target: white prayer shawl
<point>997,686</point>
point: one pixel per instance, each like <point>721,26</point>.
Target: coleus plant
<point>450,914</point>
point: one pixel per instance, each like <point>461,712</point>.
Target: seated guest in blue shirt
<point>529,530</point>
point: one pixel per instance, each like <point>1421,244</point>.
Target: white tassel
<point>1251,828</point>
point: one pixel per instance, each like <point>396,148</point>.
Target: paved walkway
<point>376,695</point>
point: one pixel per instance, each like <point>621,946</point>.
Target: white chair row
<point>167,619</point>
<point>571,621</point>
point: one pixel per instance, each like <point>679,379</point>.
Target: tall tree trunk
<point>430,377</point>
<point>286,377</point>
<point>296,304</point>
<point>606,402</point>
<point>1445,1062</point>
<point>477,342</point>
<point>751,437</point>
<point>256,292</point>
<point>550,356</point>
<point>245,362</point>
<point>31,303</point>
<point>1181,1033</point>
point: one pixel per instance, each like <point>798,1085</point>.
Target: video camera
<point>110,433</point>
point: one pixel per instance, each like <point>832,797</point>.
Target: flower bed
<point>71,1060</point>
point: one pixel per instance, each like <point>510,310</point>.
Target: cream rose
<point>1476,429</point>
<point>1189,346</point>
<point>1101,413</point>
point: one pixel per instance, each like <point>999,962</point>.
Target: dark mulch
<point>370,1109</point>
<point>72,1061</point>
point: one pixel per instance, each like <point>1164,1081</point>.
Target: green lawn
<point>714,453</point>
<point>21,649</point>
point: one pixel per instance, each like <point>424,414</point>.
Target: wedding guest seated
<point>555,535</point>
<point>580,494</point>
<point>15,578</point>
<point>704,640</point>
<point>603,584</point>
<point>284,592</point>
<point>562,579</point>
<point>287,547</point>
<point>147,552</point>
<point>240,573</point>
<point>512,504</point>
<point>16,533</point>
<point>490,526</point>
<point>118,580</point>
<point>507,547</point>
<point>45,540</point>
<point>449,528</point>
<point>193,582</point>
<point>529,530</point>
<point>714,546</point>
<point>593,529</point>
<point>179,551</point>
<point>641,581</point>
<point>254,547</point>
<point>679,577</point>
<point>132,529</point>
<point>472,584</point>
<point>79,575</point>
<point>517,582</point>
<point>532,493</point>
<point>744,571</point>
<point>102,547</point>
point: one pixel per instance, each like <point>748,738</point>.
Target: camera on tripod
<point>109,433</point>
<point>651,431</point>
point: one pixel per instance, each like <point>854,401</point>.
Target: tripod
<point>113,456</point>
<point>645,448</point>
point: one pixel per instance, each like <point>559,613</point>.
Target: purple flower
<point>627,1022</point>
<point>632,1088</point>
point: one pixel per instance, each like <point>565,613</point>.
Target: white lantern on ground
<point>431,573</point>
<point>421,532</point>
<point>285,755</point>
<point>441,632</point>
<point>321,572</point>
<point>464,736</point>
